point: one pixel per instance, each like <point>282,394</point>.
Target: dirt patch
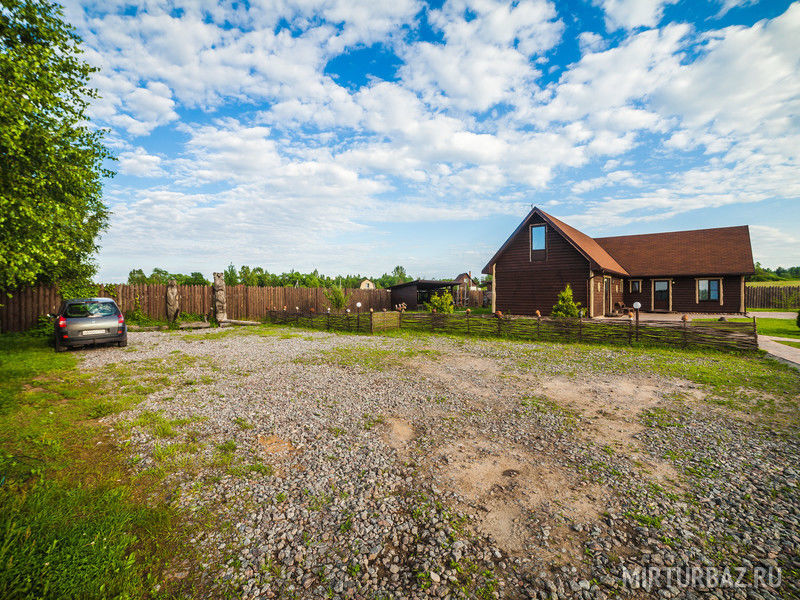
<point>468,375</point>
<point>398,433</point>
<point>611,415</point>
<point>515,491</point>
<point>275,446</point>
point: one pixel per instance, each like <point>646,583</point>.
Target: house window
<point>538,237</point>
<point>636,286</point>
<point>708,289</point>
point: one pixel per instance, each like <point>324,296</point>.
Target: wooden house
<point>698,271</point>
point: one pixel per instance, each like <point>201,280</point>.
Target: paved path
<point>773,315</point>
<point>782,352</point>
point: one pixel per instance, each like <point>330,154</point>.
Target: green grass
<point>781,283</point>
<point>374,359</point>
<point>792,344</point>
<point>74,521</point>
<point>767,326</point>
<point>794,310</point>
<point>748,382</point>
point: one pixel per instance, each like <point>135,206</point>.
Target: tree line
<point>778,274</point>
<point>259,277</point>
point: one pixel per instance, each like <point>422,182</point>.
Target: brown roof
<point>719,251</point>
<point>589,248</point>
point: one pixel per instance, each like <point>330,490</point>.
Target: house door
<point>606,295</point>
<point>661,294</point>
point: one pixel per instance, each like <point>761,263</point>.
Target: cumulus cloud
<point>630,14</point>
<point>480,119</point>
<point>140,163</point>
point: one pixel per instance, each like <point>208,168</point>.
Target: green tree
<point>336,297</point>
<point>441,302</point>
<point>565,307</point>
<point>51,158</point>
<point>137,277</point>
<point>230,275</point>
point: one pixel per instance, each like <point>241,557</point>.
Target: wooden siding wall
<point>772,296</point>
<point>683,295</point>
<point>406,294</point>
<point>23,309</point>
<point>523,287</point>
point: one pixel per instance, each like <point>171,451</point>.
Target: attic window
<point>538,238</point>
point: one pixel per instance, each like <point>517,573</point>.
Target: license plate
<point>94,332</point>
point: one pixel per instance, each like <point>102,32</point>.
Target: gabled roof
<point>718,251</point>
<point>597,256</point>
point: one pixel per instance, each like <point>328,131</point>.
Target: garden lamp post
<point>636,306</point>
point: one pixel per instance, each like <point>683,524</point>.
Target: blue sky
<point>351,136</point>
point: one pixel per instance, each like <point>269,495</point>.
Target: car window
<point>92,309</point>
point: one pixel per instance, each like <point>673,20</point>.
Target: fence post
<point>580,328</point>
<point>630,331</point>
<point>467,321</point>
<point>499,326</point>
<point>328,321</point>
<point>371,322</point>
<point>358,321</point>
<point>755,329</point>
<point>683,344</point>
<point>400,320</point>
<point>432,315</point>
<point>538,328</point>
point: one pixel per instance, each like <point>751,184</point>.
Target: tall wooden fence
<point>24,308</point>
<point>772,296</point>
<point>696,334</point>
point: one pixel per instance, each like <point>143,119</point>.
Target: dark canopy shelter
<point>415,293</point>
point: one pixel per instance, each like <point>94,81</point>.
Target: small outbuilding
<point>367,284</point>
<point>416,293</point>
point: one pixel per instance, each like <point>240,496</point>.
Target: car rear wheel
<point>123,343</point>
<point>58,346</point>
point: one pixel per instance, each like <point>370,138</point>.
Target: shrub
<point>798,318</point>
<point>441,302</point>
<point>336,297</point>
<point>565,307</point>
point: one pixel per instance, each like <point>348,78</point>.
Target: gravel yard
<point>414,467</point>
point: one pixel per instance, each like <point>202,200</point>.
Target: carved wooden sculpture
<point>220,305</point>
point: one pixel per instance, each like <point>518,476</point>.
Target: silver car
<point>86,321</point>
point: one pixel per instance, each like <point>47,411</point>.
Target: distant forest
<point>258,277</point>
<point>779,274</point>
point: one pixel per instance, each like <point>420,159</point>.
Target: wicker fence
<point>22,310</point>
<point>701,334</point>
<point>772,296</point>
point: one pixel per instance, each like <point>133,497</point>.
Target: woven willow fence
<point>721,335</point>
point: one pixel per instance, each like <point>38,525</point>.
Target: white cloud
<point>774,247</point>
<point>591,42</point>
<point>470,127</point>
<point>629,14</point>
<point>140,163</point>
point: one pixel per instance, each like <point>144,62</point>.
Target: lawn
<point>773,327</point>
<point>81,518</point>
<point>782,283</point>
<point>792,344</point>
<point>74,522</point>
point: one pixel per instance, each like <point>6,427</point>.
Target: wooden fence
<point>700,334</point>
<point>772,296</point>
<point>24,308</point>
